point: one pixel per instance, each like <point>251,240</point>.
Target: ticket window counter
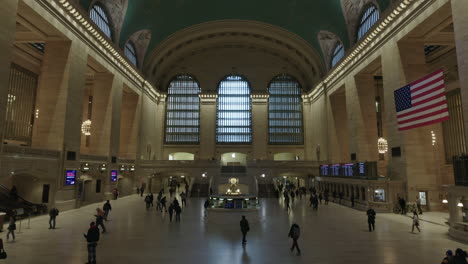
<point>379,196</point>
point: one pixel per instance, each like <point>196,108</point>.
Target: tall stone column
<point>208,126</point>
<point>160,132</point>
<point>419,164</point>
<point>360,104</point>
<point>308,130</point>
<point>260,126</point>
<point>460,25</point>
<point>7,39</point>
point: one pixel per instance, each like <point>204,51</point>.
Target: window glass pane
<point>183,111</point>
<point>130,53</point>
<point>100,18</point>
<point>338,54</point>
<point>233,123</point>
<point>368,19</point>
<point>285,111</point>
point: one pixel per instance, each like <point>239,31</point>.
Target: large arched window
<point>233,118</point>
<point>183,111</point>
<point>130,52</point>
<point>368,19</point>
<point>101,19</point>
<point>338,54</point>
<point>285,111</point>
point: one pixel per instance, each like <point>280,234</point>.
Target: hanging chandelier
<point>382,145</point>
<point>86,128</point>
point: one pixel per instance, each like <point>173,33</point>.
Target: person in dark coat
<point>151,199</point>
<point>286,202</point>
<point>326,197</point>
<point>171,211</point>
<point>352,200</point>
<point>244,226</point>
<point>11,228</point>
<point>294,234</point>
<point>371,219</point>
<point>107,208</point>
<point>178,211</point>
<point>92,238</point>
<point>100,219</point>
<point>53,213</point>
<point>315,202</point>
<point>2,250</point>
<point>320,198</point>
<point>448,257</point>
<point>460,257</point>
<point>163,204</point>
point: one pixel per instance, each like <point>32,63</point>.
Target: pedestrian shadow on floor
<point>245,255</point>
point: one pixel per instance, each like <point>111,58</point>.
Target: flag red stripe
<point>428,99</point>
<point>445,118</point>
<point>423,109</point>
<point>427,84</point>
<point>442,86</point>
<point>427,77</point>
<point>423,116</point>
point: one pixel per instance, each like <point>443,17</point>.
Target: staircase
<point>266,191</point>
<point>199,190</point>
<point>9,203</point>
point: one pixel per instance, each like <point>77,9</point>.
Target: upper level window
<point>130,52</point>
<point>183,111</point>
<point>233,118</point>
<point>368,19</point>
<point>338,54</point>
<point>101,19</point>
<point>285,111</point>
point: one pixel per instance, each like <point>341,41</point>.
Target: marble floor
<point>332,235</point>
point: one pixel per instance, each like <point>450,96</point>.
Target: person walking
<point>415,222</point>
<point>418,205</point>
<point>107,208</point>
<point>371,219</point>
<point>92,238</point>
<point>163,204</point>
<point>151,199</point>
<point>171,211</point>
<point>183,196</point>
<point>11,228</point>
<point>244,226</point>
<point>178,211</point>
<point>206,206</point>
<point>315,202</point>
<point>147,202</point>
<point>326,196</point>
<point>142,191</point>
<point>293,195</point>
<point>320,197</point>
<point>3,254</point>
<point>53,213</point>
<point>286,202</point>
<point>294,234</point>
<point>100,219</point>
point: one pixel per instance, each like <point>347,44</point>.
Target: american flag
<point>422,102</point>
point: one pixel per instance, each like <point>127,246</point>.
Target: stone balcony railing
<point>18,151</point>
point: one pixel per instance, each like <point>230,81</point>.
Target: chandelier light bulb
<point>382,145</point>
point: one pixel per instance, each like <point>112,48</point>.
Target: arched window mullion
<point>183,111</point>
<point>233,115</point>
<point>130,52</point>
<point>285,123</point>
<point>368,19</point>
<point>101,19</point>
<point>338,54</point>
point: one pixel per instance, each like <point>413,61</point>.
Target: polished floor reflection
<point>334,234</point>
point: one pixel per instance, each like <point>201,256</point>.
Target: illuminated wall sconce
<point>122,168</point>
<point>132,168</point>
<point>102,168</point>
<point>445,201</point>
<point>86,128</point>
<point>233,155</point>
<point>182,176</point>
<point>434,139</point>
<point>382,145</point>
<point>460,204</point>
<point>204,175</point>
<point>263,175</point>
<point>85,167</point>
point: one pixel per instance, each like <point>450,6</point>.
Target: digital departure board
<point>360,169</point>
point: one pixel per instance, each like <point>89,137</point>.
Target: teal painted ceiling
<point>302,17</point>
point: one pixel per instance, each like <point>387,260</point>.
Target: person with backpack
<point>100,219</point>
<point>53,213</point>
<point>244,226</point>
<point>92,238</point>
<point>147,202</point>
<point>294,234</point>
<point>11,228</point>
<point>178,211</point>
<point>415,222</point>
<point>371,219</point>
<point>107,208</point>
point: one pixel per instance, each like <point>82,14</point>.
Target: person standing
<point>92,238</point>
<point>352,200</point>
<point>53,213</point>
<point>151,199</point>
<point>418,204</point>
<point>107,208</point>
<point>293,195</point>
<point>183,196</point>
<point>326,196</point>
<point>415,222</point>
<point>3,254</point>
<point>171,211</point>
<point>178,211</point>
<point>460,257</point>
<point>163,204</point>
<point>315,202</point>
<point>147,201</point>
<point>320,197</point>
<point>286,202</point>
<point>11,228</point>
<point>294,234</point>
<point>371,219</point>
<point>100,219</point>
<point>142,191</point>
<point>244,226</point>
<point>206,206</point>
<point>448,258</point>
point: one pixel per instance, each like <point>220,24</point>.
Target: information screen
<point>335,170</point>
<point>114,175</point>
<point>324,170</point>
<point>348,169</point>
<point>70,177</point>
<point>361,169</point>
